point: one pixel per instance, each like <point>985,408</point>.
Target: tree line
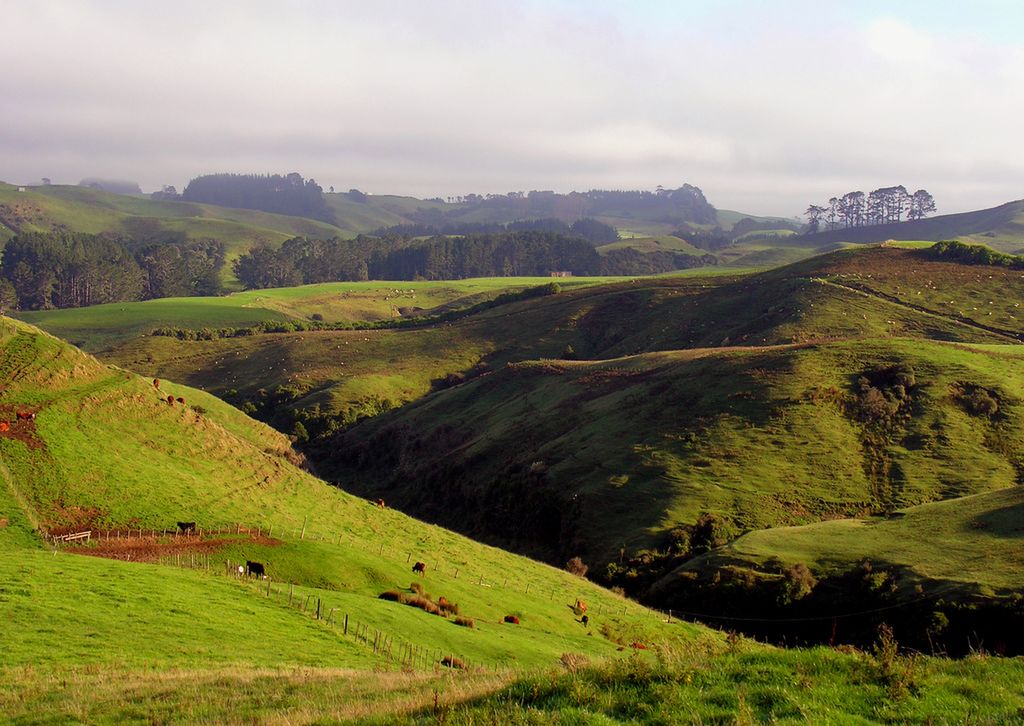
<point>280,194</point>
<point>685,204</point>
<point>593,230</point>
<point>43,270</point>
<point>887,205</point>
<point>301,261</point>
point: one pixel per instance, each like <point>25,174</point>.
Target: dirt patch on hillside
<point>161,548</point>
<point>23,430</point>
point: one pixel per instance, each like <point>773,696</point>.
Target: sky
<point>767,106</point>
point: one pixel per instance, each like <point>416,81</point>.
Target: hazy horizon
<point>766,107</point>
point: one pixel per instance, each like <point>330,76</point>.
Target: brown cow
<point>170,400</point>
<point>420,568</point>
<point>156,383</point>
<point>181,400</point>
<point>4,427</point>
<point>380,503</point>
<point>26,416</point>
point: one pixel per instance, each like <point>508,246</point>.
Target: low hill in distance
<point>1000,227</point>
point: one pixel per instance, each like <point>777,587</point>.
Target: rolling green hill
<point>599,454</point>
<point>84,209</point>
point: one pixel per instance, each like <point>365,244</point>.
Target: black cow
<point>187,527</point>
<point>255,568</point>
<point>420,568</point>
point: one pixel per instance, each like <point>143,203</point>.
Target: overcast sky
<point>766,106</point>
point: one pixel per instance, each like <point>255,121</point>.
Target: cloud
<point>766,107</point>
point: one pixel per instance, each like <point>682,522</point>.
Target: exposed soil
<point>18,429</point>
<point>157,548</point>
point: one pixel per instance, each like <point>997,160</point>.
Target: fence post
<point>346,624</point>
<point>291,591</point>
<point>381,550</point>
<point>456,573</point>
<point>303,535</point>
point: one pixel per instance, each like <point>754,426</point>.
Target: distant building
<point>22,189</point>
<point>561,273</point>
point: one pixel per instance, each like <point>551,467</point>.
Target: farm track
<point>870,292</point>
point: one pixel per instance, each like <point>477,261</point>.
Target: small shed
<point>561,273</point>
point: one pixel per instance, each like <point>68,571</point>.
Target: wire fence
<point>436,564</point>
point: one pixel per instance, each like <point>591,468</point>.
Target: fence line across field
<point>434,562</point>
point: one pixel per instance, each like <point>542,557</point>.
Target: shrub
<point>465,622</point>
<point>447,607</point>
<point>424,604</point>
<point>710,531</point>
<point>574,662</point>
<point>577,567</point>
<point>416,588</point>
<point>392,596</point>
<point>978,401</point>
<point>452,662</point>
<point>797,583</point>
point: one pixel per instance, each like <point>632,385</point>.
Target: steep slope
<point>105,452</point>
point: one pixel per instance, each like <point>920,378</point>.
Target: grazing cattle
<point>187,527</point>
<point>380,503</point>
<point>579,608</point>
<point>512,619</point>
<point>26,416</point>
<point>586,621</point>
<point>156,383</point>
<point>4,427</point>
<point>255,569</point>
<point>420,568</point>
<point>181,400</point>
<point>170,400</point>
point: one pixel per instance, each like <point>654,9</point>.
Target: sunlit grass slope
<point>107,451</point>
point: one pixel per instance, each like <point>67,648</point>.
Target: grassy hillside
<point>1000,227</point>
<point>133,634</point>
<point>106,452</point>
<point>765,437</point>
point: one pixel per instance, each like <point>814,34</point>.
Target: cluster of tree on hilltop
<point>114,186</point>
<point>287,194</point>
<point>887,205</point>
<point>685,204</point>
<point>590,229</point>
<point>65,269</point>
